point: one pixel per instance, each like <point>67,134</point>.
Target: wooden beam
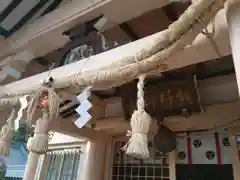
<point>67,127</point>
<point>48,29</point>
<point>213,116</point>
<point>45,35</point>
<point>201,50</point>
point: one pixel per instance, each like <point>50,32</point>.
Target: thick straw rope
<point>120,75</point>
<point>175,38</point>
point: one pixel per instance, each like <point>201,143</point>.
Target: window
<point>130,168</point>
<point>62,165</point>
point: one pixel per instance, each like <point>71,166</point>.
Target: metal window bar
<point>76,167</point>
<point>67,166</point>
<point>62,165</point>
<point>50,169</point>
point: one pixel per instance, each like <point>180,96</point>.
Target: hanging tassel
<point>6,135</point>
<point>140,122</point>
<point>39,142</point>
<point>47,89</point>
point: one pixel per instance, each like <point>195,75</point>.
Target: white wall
<point>208,143</point>
<point>59,138</point>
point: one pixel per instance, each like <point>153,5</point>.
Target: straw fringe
<point>54,102</point>
<point>6,135</point>
<point>9,102</point>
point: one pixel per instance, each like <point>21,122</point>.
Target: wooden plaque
<point>163,99</point>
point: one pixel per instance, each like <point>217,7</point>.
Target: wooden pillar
<point>233,18</point>
<point>235,157</point>
<point>172,165</point>
<point>31,167</point>
<point>41,167</point>
<point>93,166</point>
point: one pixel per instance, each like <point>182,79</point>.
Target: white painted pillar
<point>94,161</point>
<point>233,18</point>
<point>31,167</point>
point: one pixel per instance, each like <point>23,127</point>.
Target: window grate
<point>129,168</point>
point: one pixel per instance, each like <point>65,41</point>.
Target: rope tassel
<point>140,122</point>
<point>39,142</point>
<point>6,135</point>
<point>48,90</point>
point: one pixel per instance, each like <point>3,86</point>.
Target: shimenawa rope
<point>175,38</point>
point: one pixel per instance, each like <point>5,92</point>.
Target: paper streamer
<point>24,104</point>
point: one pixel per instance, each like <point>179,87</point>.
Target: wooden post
<point>42,166</point>
<point>235,157</point>
<point>32,165</point>
<point>172,165</point>
<point>94,160</point>
<point>233,18</point>
<point>109,160</point>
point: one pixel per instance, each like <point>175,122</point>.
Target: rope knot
<point>130,133</point>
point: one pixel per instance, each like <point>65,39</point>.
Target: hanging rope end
<point>137,145</point>
<point>38,144</point>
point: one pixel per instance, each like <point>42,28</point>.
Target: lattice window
<point>129,168</point>
<point>62,165</point>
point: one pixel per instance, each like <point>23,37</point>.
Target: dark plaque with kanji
<point>163,98</point>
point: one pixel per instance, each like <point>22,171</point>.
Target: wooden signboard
<point>163,98</point>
